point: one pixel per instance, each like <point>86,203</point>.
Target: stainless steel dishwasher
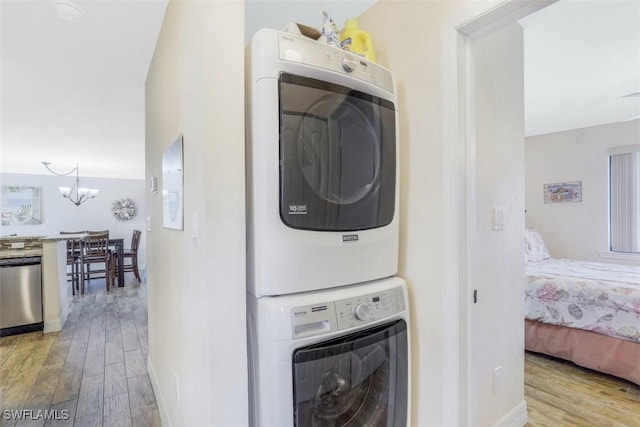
<point>20,295</point>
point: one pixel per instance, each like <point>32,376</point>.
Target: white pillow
<point>534,247</point>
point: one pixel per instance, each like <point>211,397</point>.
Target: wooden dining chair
<point>74,259</point>
<point>132,255</point>
<point>74,256</point>
<point>96,251</point>
<point>112,255</point>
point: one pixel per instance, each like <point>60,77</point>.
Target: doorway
<point>472,137</point>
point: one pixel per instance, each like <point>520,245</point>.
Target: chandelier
<point>76,194</point>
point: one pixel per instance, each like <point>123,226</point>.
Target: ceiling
<point>581,58</point>
<point>73,92</point>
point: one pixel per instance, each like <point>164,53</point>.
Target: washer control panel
<point>322,318</point>
<point>363,309</point>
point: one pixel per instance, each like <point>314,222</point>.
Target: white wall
<point>59,214</point>
<point>407,37</point>
<point>496,256</point>
<point>196,311</point>
<point>277,13</point>
<point>574,230</point>
<point>197,297</point>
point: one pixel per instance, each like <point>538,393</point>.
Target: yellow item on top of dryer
<point>353,39</point>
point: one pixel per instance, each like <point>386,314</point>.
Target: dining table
<point>114,243</point>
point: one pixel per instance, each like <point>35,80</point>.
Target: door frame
<point>458,145</point>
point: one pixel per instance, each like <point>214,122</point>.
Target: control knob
<point>361,312</point>
<point>349,64</point>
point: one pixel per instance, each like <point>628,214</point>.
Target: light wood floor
<point>93,371</point>
<point>559,393</point>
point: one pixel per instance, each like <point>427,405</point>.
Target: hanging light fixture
<point>76,194</point>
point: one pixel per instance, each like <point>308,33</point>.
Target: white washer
<point>333,357</point>
<point>322,159</point>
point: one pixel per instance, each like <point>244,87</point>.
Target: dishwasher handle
<point>17,262</point>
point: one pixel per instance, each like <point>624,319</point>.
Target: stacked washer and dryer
<point>328,323</point>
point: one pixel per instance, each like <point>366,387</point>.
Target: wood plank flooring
<point>559,393</point>
<point>92,373</point>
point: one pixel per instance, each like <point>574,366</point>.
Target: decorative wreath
<point>124,209</point>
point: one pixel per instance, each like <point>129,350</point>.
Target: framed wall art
<point>563,192</point>
<point>20,205</point>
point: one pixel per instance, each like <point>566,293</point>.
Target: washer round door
<point>356,380</point>
<point>337,156</point>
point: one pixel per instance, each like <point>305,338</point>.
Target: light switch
<point>148,223</point>
<point>153,184</point>
<point>498,218</point>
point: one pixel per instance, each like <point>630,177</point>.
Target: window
<point>624,199</point>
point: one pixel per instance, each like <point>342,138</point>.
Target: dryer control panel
<point>346,313</point>
<point>306,51</point>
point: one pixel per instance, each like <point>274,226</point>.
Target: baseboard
<point>56,325</point>
<point>517,417</point>
<point>65,314</point>
<point>52,326</point>
<point>165,420</point>
<point>22,329</point>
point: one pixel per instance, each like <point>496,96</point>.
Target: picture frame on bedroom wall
<point>563,192</point>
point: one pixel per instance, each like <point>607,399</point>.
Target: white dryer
<point>322,159</point>
<point>337,357</point>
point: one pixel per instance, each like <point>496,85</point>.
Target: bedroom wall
<point>574,230</point>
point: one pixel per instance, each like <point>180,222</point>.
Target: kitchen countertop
<point>32,246</point>
<point>62,237</point>
<point>13,237</point>
<point>53,237</point>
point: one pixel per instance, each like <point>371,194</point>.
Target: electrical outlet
<point>498,379</point>
<point>177,384</point>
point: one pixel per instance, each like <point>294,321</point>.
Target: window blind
<point>624,202</point>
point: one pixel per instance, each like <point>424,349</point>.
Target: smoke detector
<point>68,10</point>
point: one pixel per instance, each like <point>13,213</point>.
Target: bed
<point>585,312</point>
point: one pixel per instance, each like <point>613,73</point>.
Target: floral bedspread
<point>598,297</point>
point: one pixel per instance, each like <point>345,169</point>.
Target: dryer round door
<point>356,380</point>
<point>337,156</point>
